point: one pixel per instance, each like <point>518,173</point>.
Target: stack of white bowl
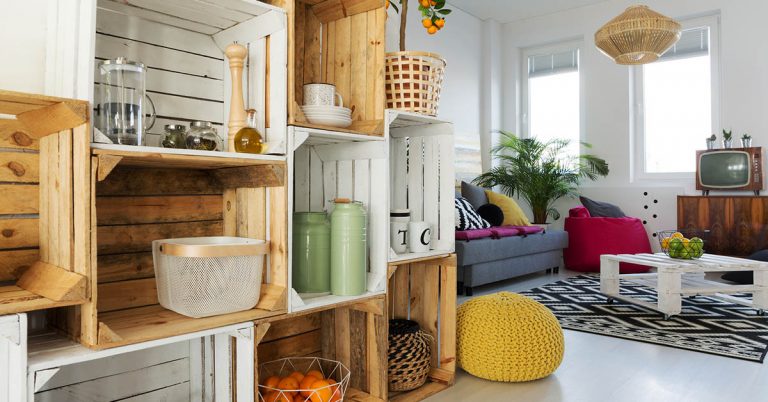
<point>328,115</point>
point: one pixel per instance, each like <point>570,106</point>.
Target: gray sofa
<point>488,260</point>
<point>484,261</point>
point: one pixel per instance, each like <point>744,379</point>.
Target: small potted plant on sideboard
<point>727,139</point>
<point>746,141</point>
<point>711,141</point>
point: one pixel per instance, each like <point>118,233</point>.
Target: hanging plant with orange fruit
<point>433,14</point>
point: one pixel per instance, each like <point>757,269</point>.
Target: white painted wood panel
<point>155,16</point>
<point>174,393</point>
<point>13,358</point>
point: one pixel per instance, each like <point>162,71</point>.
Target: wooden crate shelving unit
<point>424,290</point>
<point>339,42</point>
<point>182,46</point>
<point>139,197</point>
<point>325,165</point>
<point>44,202</point>
<point>422,177</point>
<point>354,333</point>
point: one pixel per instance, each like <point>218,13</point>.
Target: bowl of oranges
<point>676,245</point>
<point>303,379</point>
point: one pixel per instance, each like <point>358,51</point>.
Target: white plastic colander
<point>204,276</point>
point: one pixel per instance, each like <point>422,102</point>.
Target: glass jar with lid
<point>202,136</point>
<point>175,136</point>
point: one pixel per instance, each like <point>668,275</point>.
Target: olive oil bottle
<point>248,139</point>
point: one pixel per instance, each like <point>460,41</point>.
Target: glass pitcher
<point>120,111</point>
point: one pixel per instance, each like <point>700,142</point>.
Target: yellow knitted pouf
<point>508,337</point>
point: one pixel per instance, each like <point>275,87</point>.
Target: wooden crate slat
<point>120,267</point>
<point>13,134</point>
<point>296,346</point>
<point>14,299</point>
<point>122,239</point>
<point>292,326</point>
<point>19,233</point>
<point>158,209</point>
<point>133,181</point>
<point>19,199</point>
<point>127,294</point>
<point>19,167</point>
<point>358,361</point>
<point>53,118</point>
<point>14,262</point>
<point>162,160</point>
<point>52,282</point>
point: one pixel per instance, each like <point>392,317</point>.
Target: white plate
<point>338,116</point>
<point>344,115</point>
<point>330,121</point>
<point>326,108</point>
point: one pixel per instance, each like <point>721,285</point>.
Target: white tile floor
<point>605,369</point>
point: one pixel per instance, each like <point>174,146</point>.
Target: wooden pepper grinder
<point>236,54</point>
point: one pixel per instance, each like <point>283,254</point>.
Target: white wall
<point>23,34</point>
<point>460,43</point>
<point>743,89</point>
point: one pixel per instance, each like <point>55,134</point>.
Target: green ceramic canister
<point>311,252</point>
<point>349,248</point>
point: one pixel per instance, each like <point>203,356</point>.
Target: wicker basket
<point>409,355</point>
<point>413,81</point>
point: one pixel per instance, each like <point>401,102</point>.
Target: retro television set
<point>733,169</point>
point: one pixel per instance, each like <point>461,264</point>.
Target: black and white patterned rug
<point>706,324</point>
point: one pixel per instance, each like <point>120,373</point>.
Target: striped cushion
<point>466,216</point>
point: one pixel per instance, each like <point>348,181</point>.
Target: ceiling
<point>514,10</point>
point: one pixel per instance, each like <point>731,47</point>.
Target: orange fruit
<point>432,3</point>
<point>272,381</point>
<point>306,384</point>
<point>432,30</point>
<point>424,3</point>
<point>301,398</point>
<point>321,391</point>
<point>335,391</point>
<point>317,374</point>
<point>426,22</point>
<point>289,385</point>
<point>274,396</point>
<point>297,375</point>
<point>440,23</point>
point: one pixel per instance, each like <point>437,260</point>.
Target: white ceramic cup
<point>419,237</point>
<point>321,95</point>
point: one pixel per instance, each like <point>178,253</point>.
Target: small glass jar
<point>175,136</point>
<point>203,137</point>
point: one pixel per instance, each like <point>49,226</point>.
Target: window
<point>675,108</point>
<point>551,97</point>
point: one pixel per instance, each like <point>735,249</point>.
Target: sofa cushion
<point>513,214</point>
<point>504,231</point>
<point>466,216</point>
<point>491,213</point>
<point>579,212</point>
<point>484,250</point>
<point>474,194</point>
<point>473,234</point>
<point>602,209</point>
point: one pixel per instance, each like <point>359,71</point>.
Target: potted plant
<point>540,172</point>
<point>413,79</point>
<point>746,141</point>
<point>727,138</point>
<point>711,141</point>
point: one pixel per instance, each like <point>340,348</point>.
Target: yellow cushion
<point>513,215</point>
<point>508,337</point>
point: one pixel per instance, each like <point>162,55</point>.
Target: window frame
<point>637,118</point>
<point>525,96</point>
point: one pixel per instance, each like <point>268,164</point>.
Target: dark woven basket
<point>409,355</point>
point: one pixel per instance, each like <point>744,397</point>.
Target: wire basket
<point>205,276</point>
<point>334,373</point>
<point>684,245</point>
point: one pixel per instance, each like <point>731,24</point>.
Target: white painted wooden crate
<point>326,165</point>
<point>182,45</point>
<point>422,176</point>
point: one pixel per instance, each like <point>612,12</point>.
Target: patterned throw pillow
<point>467,218</point>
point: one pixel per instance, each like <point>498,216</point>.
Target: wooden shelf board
<point>400,119</point>
<point>355,395</point>
<point>329,136</point>
<point>154,322</point>
<point>408,258</point>
<point>14,299</point>
<point>332,129</point>
<point>326,301</point>
<point>181,158</point>
<point>418,394</point>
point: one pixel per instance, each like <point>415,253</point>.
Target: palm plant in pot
<point>413,79</point>
<point>540,172</point>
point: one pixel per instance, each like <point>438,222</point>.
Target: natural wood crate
<point>44,202</point>
<point>327,165</point>
<point>422,176</point>
<point>339,42</point>
<point>425,291</point>
<point>354,334</point>
<point>139,197</point>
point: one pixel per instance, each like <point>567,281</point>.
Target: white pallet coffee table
<point>676,278</point>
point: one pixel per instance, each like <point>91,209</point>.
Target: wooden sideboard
<point>729,225</point>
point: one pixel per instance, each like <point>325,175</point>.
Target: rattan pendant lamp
<point>639,35</point>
